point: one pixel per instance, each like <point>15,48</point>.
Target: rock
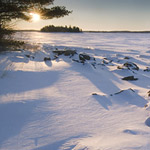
<point>47,58</point>
<point>83,57</point>
<point>94,94</point>
<point>147,122</point>
<point>131,66</point>
<point>126,57</point>
<point>105,62</point>
<point>27,56</point>
<point>70,52</point>
<point>58,52</point>
<point>148,93</point>
<point>65,52</point>
<point>130,78</point>
<point>119,67</point>
<point>147,69</point>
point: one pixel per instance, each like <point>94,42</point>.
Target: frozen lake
<point>50,101</point>
<point>103,41</point>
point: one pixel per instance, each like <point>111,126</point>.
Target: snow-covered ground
<point>67,92</point>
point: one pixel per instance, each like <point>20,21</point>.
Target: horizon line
<point>109,31</point>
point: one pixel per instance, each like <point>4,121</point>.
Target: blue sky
<point>101,15</point>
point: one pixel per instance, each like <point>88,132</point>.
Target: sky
<point>100,15</point>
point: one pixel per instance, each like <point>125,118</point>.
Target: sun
<point>35,17</point>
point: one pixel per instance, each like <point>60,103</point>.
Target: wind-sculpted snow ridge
<point>72,98</point>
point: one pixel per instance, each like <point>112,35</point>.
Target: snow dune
<point>67,103</point>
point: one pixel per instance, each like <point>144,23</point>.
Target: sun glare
<point>35,17</point>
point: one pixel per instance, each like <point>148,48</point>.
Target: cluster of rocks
<point>130,66</point>
<point>84,57</point>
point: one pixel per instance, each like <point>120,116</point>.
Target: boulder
<point>130,78</point>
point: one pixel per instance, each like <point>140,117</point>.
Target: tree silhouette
<point>52,28</point>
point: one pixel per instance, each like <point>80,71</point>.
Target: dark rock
<point>126,57</point>
<point>30,56</point>
<point>105,58</point>
<point>131,66</point>
<point>147,69</point>
<point>105,62</point>
<point>130,78</point>
<point>84,57</point>
<point>147,122</point>
<point>70,52</point>
<point>27,56</point>
<point>94,94</point>
<point>58,52</point>
<point>148,93</point>
<point>47,58</point>
<point>119,67</point>
<point>65,52</point>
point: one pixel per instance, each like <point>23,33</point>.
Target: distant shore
<point>90,31</point>
<point>118,31</point>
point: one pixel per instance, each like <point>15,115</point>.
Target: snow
<point>64,104</point>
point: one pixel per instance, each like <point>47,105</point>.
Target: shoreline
<point>86,31</point>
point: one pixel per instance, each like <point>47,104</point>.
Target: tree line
<point>52,28</point>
